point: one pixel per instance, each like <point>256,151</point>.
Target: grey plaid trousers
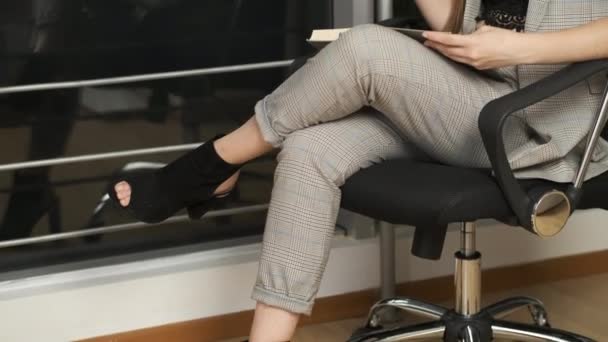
<point>423,106</point>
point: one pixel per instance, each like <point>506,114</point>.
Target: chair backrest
<point>597,129</point>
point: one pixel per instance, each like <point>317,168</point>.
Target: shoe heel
<point>196,211</point>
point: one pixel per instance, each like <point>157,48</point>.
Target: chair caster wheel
<point>374,321</point>
<point>540,317</point>
<point>543,322</point>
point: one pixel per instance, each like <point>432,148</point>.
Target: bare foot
<point>123,190</point>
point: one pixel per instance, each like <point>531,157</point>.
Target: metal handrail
<point>144,77</point>
<point>97,156</point>
<point>119,80</point>
<point>126,226</point>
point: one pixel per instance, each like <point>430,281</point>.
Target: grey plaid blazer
<point>557,127</point>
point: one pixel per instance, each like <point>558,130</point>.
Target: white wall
<point>105,300</point>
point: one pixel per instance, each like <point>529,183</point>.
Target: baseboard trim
<point>356,304</point>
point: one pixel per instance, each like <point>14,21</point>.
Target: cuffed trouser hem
<point>268,133</point>
<point>281,301</point>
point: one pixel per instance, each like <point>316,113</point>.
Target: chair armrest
<point>494,115</point>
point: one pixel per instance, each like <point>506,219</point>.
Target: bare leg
<point>243,144</point>
<point>271,324</point>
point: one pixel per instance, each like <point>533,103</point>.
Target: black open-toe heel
<point>187,182</point>
<point>196,211</point>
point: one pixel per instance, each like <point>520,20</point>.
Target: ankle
<point>223,151</point>
<point>272,324</point>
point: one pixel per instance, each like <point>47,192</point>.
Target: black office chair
<point>430,196</point>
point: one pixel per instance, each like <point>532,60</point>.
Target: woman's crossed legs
<point>429,100</point>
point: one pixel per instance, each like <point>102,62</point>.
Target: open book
<point>320,38</point>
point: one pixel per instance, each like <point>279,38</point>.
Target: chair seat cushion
<point>409,192</point>
<point>403,191</point>
<point>430,196</point>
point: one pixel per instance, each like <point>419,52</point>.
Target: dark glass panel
<point>57,40</point>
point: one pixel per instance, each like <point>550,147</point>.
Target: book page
<point>326,35</point>
<point>320,38</point>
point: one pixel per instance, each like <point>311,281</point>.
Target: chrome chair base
<point>468,322</point>
<point>468,327</point>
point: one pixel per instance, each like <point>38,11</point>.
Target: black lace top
<point>509,14</point>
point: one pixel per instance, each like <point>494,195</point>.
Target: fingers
<point>123,193</point>
<point>447,38</point>
<point>122,186</point>
<point>477,49</point>
<point>459,54</point>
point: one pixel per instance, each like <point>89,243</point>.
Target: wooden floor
<point>578,305</point>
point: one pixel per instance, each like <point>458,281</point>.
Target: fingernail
<point>425,34</point>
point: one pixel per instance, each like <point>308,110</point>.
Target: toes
<point>122,186</point>
<point>123,193</point>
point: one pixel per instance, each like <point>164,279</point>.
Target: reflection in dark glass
<point>57,40</point>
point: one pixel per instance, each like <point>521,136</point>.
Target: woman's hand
<point>487,48</point>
